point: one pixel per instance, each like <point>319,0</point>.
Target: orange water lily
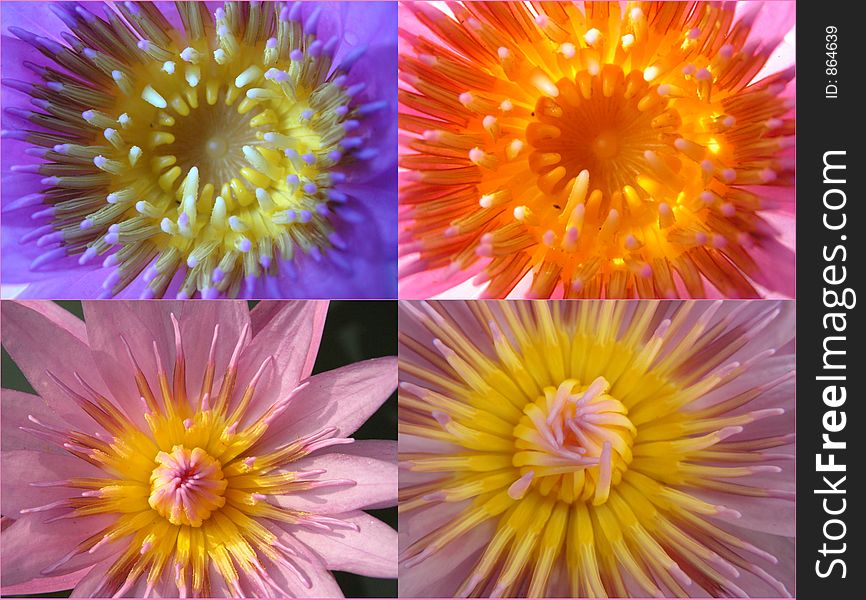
<point>597,150</point>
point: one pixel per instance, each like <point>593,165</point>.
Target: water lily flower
<point>596,449</point>
<point>597,150</point>
<point>199,149</point>
<point>183,449</point>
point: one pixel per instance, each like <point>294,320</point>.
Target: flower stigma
<point>187,486</point>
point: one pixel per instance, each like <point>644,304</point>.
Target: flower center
<point>221,159</point>
<point>186,486</point>
<point>574,441</point>
<point>605,145</point>
<point>211,138</point>
<point>615,155</point>
<point>216,153</point>
<point>601,123</point>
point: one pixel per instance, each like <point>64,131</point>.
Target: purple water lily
<point>199,149</point>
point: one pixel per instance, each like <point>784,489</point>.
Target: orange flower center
<point>601,123</point>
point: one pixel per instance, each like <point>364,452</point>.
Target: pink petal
<point>26,327</point>
<point>371,464</point>
<point>265,311</point>
<point>290,332</point>
<point>45,585</point>
<point>21,467</point>
<point>767,515</point>
<point>91,583</point>
<point>441,574</point>
<point>440,282</point>
<point>142,323</point>
<point>30,545</point>
<point>323,584</point>
<point>218,587</point>
<point>453,563</point>
<point>343,398</point>
<point>16,408</point>
<point>776,268</point>
<point>372,551</point>
<point>87,587</point>
<point>415,524</point>
<point>772,21</point>
<point>783,548</point>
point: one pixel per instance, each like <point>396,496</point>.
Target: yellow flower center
<point>215,151</point>
<point>187,486</point>
<point>574,442</point>
<point>220,159</point>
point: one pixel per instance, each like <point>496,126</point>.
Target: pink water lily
<point>597,449</point>
<point>186,449</point>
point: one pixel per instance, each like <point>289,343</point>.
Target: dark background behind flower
<point>355,330</point>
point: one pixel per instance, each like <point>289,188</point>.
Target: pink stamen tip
<point>680,575</point>
<point>727,370</point>
<point>435,497</point>
<point>766,469</point>
<point>727,432</point>
<point>61,483</point>
<point>724,511</point>
<point>768,412</point>
<point>307,474</point>
<point>46,507</point>
<point>518,489</point>
<point>52,568</point>
<point>441,418</point>
<point>105,539</point>
<point>443,349</point>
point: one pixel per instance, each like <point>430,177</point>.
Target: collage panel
<point>213,150</point>
<point>408,298</point>
<point>199,449</point>
<point>597,150</point>
<point>596,449</point>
